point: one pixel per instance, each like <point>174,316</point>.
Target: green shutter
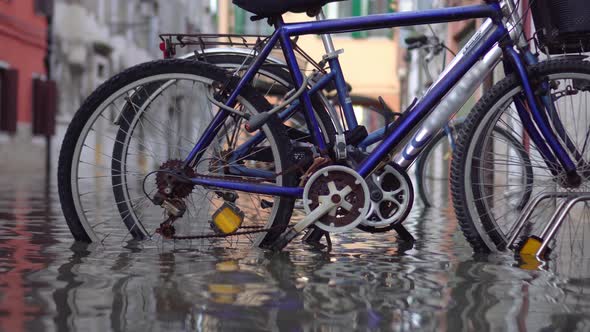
<point>239,20</point>
<point>360,8</point>
<point>392,7</point>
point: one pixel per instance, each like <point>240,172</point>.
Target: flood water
<point>368,282</point>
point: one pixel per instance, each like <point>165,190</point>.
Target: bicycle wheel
<point>489,180</point>
<point>433,167</point>
<point>147,119</point>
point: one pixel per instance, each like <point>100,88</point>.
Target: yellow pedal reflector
<point>227,266</point>
<point>224,293</point>
<point>227,219</point>
<point>224,289</point>
<point>529,262</point>
<point>531,246</point>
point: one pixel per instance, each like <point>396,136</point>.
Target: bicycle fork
<point>555,155</point>
<point>548,139</point>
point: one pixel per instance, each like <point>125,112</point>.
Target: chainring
<point>328,181</point>
<point>396,201</point>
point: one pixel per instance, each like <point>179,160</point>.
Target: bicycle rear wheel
<point>146,120</point>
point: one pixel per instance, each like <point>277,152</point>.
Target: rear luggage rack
<point>201,42</point>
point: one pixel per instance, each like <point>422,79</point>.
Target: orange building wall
<point>23,45</point>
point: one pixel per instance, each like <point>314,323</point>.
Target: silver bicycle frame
<point>272,60</point>
<point>452,102</point>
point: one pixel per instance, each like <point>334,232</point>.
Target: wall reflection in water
<point>369,282</point>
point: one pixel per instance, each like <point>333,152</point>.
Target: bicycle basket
<point>563,26</point>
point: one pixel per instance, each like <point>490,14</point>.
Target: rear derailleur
<point>175,209</point>
<point>172,181</point>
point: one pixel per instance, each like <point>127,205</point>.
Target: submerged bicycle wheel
<point>133,133</point>
<point>489,179</point>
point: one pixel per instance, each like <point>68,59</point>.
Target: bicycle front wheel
<point>492,182</point>
<point>137,128</point>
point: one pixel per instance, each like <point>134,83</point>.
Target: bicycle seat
<point>271,8</point>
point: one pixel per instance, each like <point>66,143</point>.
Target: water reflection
<point>368,282</point>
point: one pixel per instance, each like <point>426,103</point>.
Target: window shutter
<point>239,21</point>
<point>44,7</point>
<point>8,100</point>
<point>44,107</point>
<point>360,8</point>
<point>37,97</point>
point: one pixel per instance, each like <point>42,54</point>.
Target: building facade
<point>95,39</point>
<point>23,36</point>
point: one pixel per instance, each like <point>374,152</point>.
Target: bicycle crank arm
<point>311,218</point>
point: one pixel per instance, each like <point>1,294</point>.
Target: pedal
<point>530,262</point>
<point>287,236</point>
<point>227,219</point>
<point>530,246</point>
<point>404,234</point>
<point>334,197</point>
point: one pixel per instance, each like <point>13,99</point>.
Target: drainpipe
<point>47,62</point>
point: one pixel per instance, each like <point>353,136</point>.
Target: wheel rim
<point>102,150</point>
<point>497,182</point>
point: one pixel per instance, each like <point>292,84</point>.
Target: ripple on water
<point>373,282</point>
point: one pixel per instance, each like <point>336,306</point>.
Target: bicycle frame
<point>490,42</point>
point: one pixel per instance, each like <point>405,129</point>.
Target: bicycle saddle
<point>271,8</point>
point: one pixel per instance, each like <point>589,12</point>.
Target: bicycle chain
<point>295,167</point>
<point>211,236</point>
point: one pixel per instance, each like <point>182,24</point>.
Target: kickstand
<point>403,234</point>
<point>314,236</point>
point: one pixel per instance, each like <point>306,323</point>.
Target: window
<point>44,107</point>
<point>243,24</point>
<point>362,8</point>
<point>8,100</point>
<point>44,7</point>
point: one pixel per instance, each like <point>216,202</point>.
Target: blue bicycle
<point>186,150</point>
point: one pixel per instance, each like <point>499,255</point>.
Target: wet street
<point>368,282</point>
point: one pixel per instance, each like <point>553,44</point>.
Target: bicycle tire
<point>479,224</point>
<point>88,112</point>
